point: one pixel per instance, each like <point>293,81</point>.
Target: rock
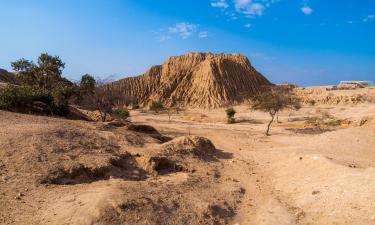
<point>202,80</point>
<point>18,196</point>
<point>315,192</point>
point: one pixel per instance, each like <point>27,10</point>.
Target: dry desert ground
<point>194,168</point>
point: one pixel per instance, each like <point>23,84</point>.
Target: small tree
<point>46,73</point>
<point>105,99</point>
<point>95,95</point>
<point>230,114</point>
<point>46,76</point>
<point>274,100</point>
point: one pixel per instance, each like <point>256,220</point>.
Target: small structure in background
<point>351,85</point>
<point>354,83</point>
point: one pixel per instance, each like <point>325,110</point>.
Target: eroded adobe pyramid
<point>196,80</point>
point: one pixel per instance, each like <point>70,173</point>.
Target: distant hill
<point>7,77</point>
<point>196,80</point>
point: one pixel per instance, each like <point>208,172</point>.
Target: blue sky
<point>313,42</point>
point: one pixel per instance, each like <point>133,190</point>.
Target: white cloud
<point>249,8</point>
<point>185,30</point>
<point>164,38</point>
<point>369,18</point>
<point>248,25</point>
<point>253,8</point>
<point>307,10</point>
<point>203,34</point>
<point>220,4</point>
<point>246,8</point>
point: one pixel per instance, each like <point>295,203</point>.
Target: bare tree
<point>274,100</point>
<point>99,96</point>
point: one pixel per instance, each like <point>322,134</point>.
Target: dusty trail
<point>259,204</point>
<point>290,178</point>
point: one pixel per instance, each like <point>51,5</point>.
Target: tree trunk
<point>101,115</point>
<point>269,124</point>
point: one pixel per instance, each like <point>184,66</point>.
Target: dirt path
<point>290,178</point>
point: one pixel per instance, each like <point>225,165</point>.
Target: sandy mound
<point>189,145</point>
<point>197,80</point>
<point>180,154</point>
<point>57,171</point>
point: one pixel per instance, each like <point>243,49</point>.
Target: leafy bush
<point>312,102</point>
<point>21,96</point>
<point>230,114</point>
<point>135,105</point>
<point>121,113</point>
<point>156,106</point>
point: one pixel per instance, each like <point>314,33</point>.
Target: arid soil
<point>316,168</point>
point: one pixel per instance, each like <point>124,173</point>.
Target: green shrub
<point>156,106</point>
<point>21,98</point>
<point>122,113</point>
<point>135,105</point>
<point>230,114</point>
<point>13,96</point>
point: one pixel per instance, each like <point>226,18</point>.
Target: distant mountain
<point>203,80</point>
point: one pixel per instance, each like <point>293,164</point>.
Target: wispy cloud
<point>164,38</point>
<point>247,8</point>
<point>203,34</point>
<point>185,30</point>
<point>248,25</point>
<point>369,18</point>
<point>220,4</point>
<point>306,9</point>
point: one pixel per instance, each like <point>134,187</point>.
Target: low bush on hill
<point>121,113</point>
<point>156,106</point>
<point>12,96</point>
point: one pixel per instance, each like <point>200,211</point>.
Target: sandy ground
<point>291,178</point>
<point>299,175</point>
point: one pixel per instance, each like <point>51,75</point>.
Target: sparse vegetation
<point>12,97</point>
<point>135,105</point>
<point>230,115</point>
<point>121,113</point>
<point>275,99</point>
<point>325,120</point>
<point>95,95</point>
<point>41,82</point>
<point>156,106</point>
<point>312,102</point>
